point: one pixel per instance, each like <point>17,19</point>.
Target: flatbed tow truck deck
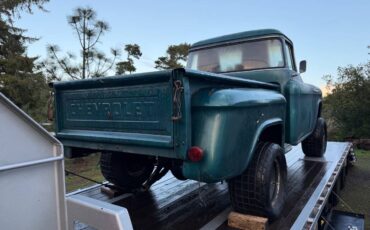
<point>175,204</point>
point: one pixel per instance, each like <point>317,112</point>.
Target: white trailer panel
<point>31,173</point>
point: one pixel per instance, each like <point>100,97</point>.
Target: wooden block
<point>110,192</point>
<point>247,222</point>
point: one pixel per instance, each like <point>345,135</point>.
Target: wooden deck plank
<point>247,222</point>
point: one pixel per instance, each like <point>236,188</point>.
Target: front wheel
<point>127,171</point>
<point>260,190</point>
<point>315,144</point>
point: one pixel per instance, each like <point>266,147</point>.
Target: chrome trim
<point>231,42</point>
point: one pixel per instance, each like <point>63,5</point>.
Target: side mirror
<point>302,66</point>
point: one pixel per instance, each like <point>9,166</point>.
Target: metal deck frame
<point>168,198</point>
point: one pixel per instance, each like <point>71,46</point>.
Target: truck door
<point>301,106</point>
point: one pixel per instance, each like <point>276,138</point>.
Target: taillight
<point>195,153</point>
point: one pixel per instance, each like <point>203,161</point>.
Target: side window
<point>290,57</point>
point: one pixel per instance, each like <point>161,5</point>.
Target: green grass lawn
<point>356,193</point>
<point>86,166</point>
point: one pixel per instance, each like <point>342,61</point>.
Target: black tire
<point>126,171</point>
<point>261,189</point>
<point>315,144</point>
<point>177,172</point>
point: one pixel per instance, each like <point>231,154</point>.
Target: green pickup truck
<point>226,116</point>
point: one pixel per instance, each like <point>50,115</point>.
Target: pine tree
<point>94,63</point>
<point>133,51</point>
<point>19,81</point>
<point>176,55</point>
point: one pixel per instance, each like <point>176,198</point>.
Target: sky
<point>327,34</point>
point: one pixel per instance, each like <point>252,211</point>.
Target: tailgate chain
<point>50,113</point>
<point>177,92</point>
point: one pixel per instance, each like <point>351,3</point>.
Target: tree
<point>176,55</point>
<point>93,63</point>
<point>347,107</point>
<point>11,8</point>
<point>19,79</point>
<point>133,51</point>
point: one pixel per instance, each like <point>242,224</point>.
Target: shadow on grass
<point>87,166</point>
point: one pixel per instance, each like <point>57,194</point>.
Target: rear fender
<point>226,124</point>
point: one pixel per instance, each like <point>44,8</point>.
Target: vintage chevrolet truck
<point>226,116</point>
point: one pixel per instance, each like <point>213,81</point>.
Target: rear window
<point>249,55</point>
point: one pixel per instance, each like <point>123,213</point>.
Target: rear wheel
<point>127,171</point>
<point>260,190</point>
<point>315,144</point>
<point>176,170</point>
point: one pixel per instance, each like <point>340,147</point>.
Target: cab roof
<point>238,36</point>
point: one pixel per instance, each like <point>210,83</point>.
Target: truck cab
<point>267,56</point>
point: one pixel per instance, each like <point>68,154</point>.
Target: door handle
<point>295,75</point>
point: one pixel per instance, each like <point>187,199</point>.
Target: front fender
<point>226,124</point>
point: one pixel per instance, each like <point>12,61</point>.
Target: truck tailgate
<point>117,110</point>
<point>147,113</point>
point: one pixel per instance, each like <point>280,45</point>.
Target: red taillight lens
<point>195,153</point>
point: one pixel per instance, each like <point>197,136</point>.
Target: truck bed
<point>175,204</point>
